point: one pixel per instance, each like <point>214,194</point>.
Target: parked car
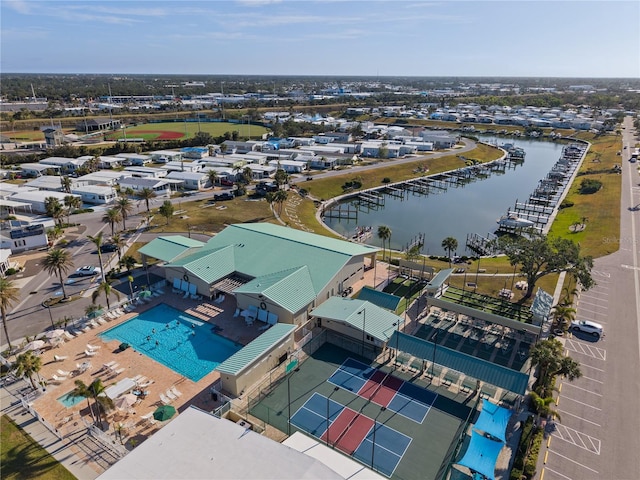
<point>228,195</point>
<point>586,326</point>
<point>108,247</point>
<point>88,270</point>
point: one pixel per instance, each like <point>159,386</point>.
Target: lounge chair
<point>101,320</point>
<point>118,371</point>
<point>90,353</point>
<point>69,335</point>
<point>59,358</point>
<point>138,378</point>
<point>63,373</point>
<point>57,379</point>
<point>93,347</point>
<point>171,396</point>
<point>145,384</point>
<point>176,392</point>
<point>164,399</point>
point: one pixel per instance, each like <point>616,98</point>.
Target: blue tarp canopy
<point>493,420</point>
<point>481,455</point>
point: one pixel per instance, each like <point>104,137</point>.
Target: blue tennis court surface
<point>373,444</point>
<point>404,398</point>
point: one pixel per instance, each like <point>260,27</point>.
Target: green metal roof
<point>292,289</point>
<point>377,322</point>
<point>236,363</point>
<point>480,369</point>
<point>381,299</point>
<point>209,265</point>
<point>169,248</point>
<point>262,249</point>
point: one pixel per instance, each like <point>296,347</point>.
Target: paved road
<point>599,437</point>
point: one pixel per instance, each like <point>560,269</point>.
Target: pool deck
<point>67,420</point>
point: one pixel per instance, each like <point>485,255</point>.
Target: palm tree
<point>563,315</point>
<point>98,242</point>
<point>71,202</point>
<point>105,287</point>
<point>58,261</point>
<point>384,234</point>
<point>166,210</point>
<point>147,194</point>
<point>450,244</point>
<point>127,262</point>
<point>542,406</point>
<point>125,208</point>
<point>82,390</point>
<point>130,280</point>
<point>112,216</point>
<point>28,364</point>
<point>548,356</point>
<point>212,176</point>
<point>9,294</point>
<point>120,242</point>
<point>65,182</point>
<point>95,390</point>
<point>279,197</point>
<point>54,209</point>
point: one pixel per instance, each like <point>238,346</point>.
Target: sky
<point>509,38</point>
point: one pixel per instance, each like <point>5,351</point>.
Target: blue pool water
<point>177,340</point>
<point>69,400</point>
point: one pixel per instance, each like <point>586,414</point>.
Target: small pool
<point>69,399</point>
<point>177,340</point>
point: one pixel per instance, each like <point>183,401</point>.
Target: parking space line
<point>597,305</point>
<point>564,412</point>
<point>593,379</point>
<point>586,349</point>
<point>583,389</point>
<point>558,473</point>
<point>582,403</point>
<point>579,439</point>
<point>592,368</point>
<point>572,460</point>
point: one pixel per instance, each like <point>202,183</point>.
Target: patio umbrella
<point>125,401</point>
<point>165,412</point>
<point>54,333</point>
<point>34,345</point>
<point>145,294</point>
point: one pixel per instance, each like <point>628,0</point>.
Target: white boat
<point>512,220</point>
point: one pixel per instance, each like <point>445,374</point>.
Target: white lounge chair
<point>101,320</point>
<point>93,347</point>
<point>63,373</point>
<point>118,371</point>
<point>57,379</point>
<point>176,392</point>
<point>170,395</point>
<point>90,353</point>
<point>59,358</point>
<point>145,384</point>
<point>69,335</point>
<point>164,399</point>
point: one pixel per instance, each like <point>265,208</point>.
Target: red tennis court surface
<point>381,388</point>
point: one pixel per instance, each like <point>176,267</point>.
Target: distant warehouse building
<point>97,125</point>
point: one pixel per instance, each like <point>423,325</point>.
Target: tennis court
<point>384,389</point>
<point>353,433</point>
<point>401,447</point>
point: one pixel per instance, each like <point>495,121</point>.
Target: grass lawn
<point>601,209</point>
<point>184,130</point>
<point>200,216</point>
<point>22,458</point>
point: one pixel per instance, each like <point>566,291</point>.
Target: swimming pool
<point>177,340</point>
<point>69,399</point>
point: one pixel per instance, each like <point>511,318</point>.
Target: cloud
<point>19,6</point>
<point>28,33</point>
<point>257,3</point>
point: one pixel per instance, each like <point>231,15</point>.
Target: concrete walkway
<point>74,451</point>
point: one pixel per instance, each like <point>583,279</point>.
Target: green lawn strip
<point>326,188</point>
<point>601,209</point>
<point>216,129</point>
<point>22,457</point>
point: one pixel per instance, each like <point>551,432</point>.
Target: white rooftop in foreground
<point>197,445</point>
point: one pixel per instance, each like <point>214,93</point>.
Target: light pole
<point>335,389</point>
<point>434,339</point>
<point>289,399</point>
<point>364,325</point>
<point>373,445</point>
<point>50,316</point>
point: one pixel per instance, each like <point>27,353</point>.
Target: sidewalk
<point>81,462</point>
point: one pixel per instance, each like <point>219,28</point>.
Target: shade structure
<point>493,420</point>
<point>481,455</point>
<point>54,333</point>
<point>125,401</point>
<point>145,294</point>
<point>34,345</point>
<point>165,412</point>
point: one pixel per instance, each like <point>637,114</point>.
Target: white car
<point>88,270</point>
<point>586,326</point>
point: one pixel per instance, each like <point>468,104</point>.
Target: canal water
<point>457,211</point>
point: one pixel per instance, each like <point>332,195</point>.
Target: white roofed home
<point>289,166</point>
<point>106,161</point>
<point>96,194</point>
<point>38,198</point>
<point>190,180</point>
<point>160,187</point>
<point>135,159</point>
<point>37,169</point>
<point>66,165</point>
<point>164,156</point>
